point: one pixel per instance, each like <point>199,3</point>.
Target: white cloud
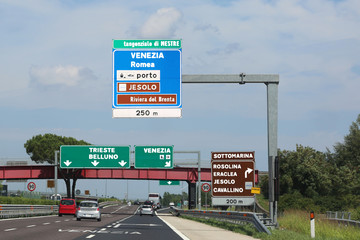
<point>162,24</point>
<point>59,75</point>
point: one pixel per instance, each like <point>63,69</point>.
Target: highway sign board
<point>146,78</point>
<point>89,156</point>
<point>169,182</point>
<point>31,186</point>
<point>255,190</point>
<point>233,156</point>
<point>154,156</point>
<point>205,187</point>
<point>146,44</point>
<point>232,178</point>
<point>233,201</point>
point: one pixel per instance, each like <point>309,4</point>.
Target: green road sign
<point>147,44</point>
<point>169,182</point>
<point>81,156</point>
<point>154,156</point>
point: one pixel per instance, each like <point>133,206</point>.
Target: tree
<point>346,160</point>
<point>41,148</point>
<point>305,170</point>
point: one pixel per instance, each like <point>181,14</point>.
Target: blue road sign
<point>146,78</point>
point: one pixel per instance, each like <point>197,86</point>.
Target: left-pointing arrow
<point>95,163</point>
<point>67,163</point>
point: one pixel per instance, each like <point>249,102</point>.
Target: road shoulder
<point>193,230</point>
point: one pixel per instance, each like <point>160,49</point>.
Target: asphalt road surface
<point>118,222</point>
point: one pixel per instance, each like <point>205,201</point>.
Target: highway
<point>117,222</point>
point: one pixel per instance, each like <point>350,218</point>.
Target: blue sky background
<point>56,74</point>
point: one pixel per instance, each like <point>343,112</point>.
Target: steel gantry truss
<point>271,81</point>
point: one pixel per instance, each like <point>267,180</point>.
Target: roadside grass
<point>299,222</point>
<point>293,225</point>
<point>26,201</point>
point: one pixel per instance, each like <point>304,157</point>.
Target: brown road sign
<point>232,178</point>
<point>233,156</point>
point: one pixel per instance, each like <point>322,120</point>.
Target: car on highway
<point>67,206</point>
<point>88,209</point>
<point>147,210</point>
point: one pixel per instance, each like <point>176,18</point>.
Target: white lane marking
<point>13,219</point>
<point>46,223</point>
<point>90,236</point>
<point>174,229</point>
<point>57,221</point>
<point>10,229</point>
<point>103,229</point>
<point>67,220</point>
<point>117,209</point>
<point>30,226</point>
<point>137,224</point>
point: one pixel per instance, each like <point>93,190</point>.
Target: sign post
<point>89,156</point>
<point>232,177</point>
<point>146,78</point>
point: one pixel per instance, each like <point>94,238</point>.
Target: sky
<point>56,76</point>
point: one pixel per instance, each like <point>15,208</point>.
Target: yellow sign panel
<point>255,190</point>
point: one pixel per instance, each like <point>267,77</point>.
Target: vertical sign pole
<point>272,115</point>
<point>199,180</point>
<point>312,224</point>
<point>56,173</point>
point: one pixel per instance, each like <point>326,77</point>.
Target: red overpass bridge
<point>188,174</point>
<point>47,172</point>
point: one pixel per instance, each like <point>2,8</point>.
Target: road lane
<point>134,227</point>
<point>65,227</point>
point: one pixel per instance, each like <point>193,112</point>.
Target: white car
<point>172,204</point>
<point>88,209</point>
<point>147,210</point>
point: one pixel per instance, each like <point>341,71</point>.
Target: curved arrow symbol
<point>248,171</point>
<point>168,164</point>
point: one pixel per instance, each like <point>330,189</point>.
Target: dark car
<point>67,206</point>
<point>151,203</point>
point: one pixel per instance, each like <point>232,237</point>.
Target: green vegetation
<point>318,181</point>
<point>293,225</point>
<point>41,148</point>
<point>26,201</point>
<point>175,198</point>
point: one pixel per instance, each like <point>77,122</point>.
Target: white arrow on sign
<point>67,162</point>
<point>167,164</point>
<point>95,163</point>
<point>248,171</point>
<point>169,182</point>
<point>122,163</point>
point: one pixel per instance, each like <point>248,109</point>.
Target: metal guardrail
<point>14,210</point>
<point>229,216</point>
<point>342,217</point>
